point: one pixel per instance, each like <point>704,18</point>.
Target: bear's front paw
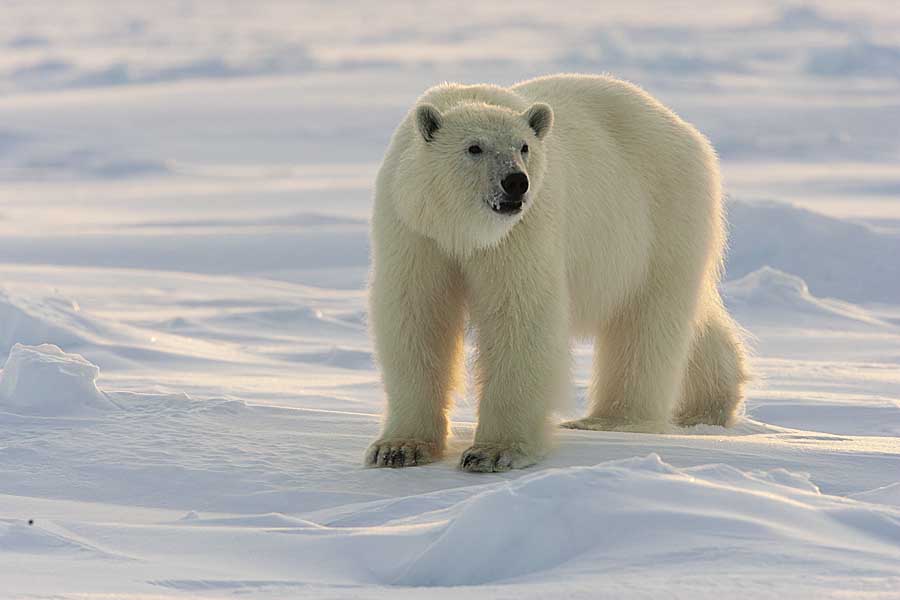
<point>494,458</point>
<point>401,453</point>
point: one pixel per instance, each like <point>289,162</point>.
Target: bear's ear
<point>428,120</point>
<point>539,117</point>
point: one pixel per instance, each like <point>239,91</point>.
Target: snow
<point>834,256</point>
<point>44,380</point>
<point>778,295</point>
<point>188,384</point>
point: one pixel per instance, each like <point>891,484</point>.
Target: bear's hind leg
<point>640,359</point>
<point>712,392</point>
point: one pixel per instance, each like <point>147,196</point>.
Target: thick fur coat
<point>618,238</point>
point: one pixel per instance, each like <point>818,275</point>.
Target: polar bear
<point>567,205</point>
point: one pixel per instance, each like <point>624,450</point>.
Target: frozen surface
<point>44,380</point>
<point>189,386</point>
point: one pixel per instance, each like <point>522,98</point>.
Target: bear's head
<point>477,169</point>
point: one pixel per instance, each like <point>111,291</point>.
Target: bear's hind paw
<point>623,425</point>
<point>592,424</point>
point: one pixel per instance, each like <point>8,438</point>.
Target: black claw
<point>505,461</point>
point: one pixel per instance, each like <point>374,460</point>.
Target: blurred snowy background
<point>184,195</point>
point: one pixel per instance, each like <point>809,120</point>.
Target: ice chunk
<point>43,380</point>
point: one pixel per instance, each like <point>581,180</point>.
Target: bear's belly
<point>606,262</point>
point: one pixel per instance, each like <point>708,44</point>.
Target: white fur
<point>620,240</point>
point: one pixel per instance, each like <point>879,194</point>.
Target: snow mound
<point>770,284</point>
<point>772,295</point>
<point>43,380</point>
<point>644,511</point>
<point>837,258</point>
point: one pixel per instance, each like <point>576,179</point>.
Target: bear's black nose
<point>515,184</point>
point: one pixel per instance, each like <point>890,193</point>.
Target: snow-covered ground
<point>189,387</point>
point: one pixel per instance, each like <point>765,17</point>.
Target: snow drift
<point>43,380</point>
<point>644,511</point>
<point>548,528</point>
<point>837,258</point>
<point>781,298</point>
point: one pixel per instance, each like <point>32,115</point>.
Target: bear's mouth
<point>506,205</point>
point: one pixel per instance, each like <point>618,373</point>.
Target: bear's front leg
<point>520,318</point>
<point>417,310</point>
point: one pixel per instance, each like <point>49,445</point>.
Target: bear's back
<point>619,112</point>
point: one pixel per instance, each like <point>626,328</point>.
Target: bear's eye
<point>474,149</point>
<point>525,149</point>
